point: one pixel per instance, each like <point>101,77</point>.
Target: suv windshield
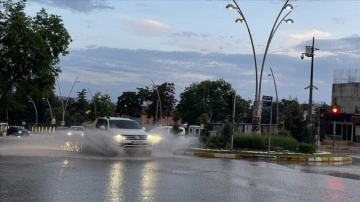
<point>125,124</point>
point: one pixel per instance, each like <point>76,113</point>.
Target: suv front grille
<point>135,137</point>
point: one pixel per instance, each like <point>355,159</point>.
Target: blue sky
<point>121,45</point>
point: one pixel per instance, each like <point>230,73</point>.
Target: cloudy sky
<point>121,45</point>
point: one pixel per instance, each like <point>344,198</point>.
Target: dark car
<point>17,131</point>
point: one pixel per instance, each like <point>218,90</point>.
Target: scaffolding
<point>346,76</point>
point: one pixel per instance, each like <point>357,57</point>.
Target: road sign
<point>267,102</point>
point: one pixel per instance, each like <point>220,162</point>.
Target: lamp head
<point>288,7</point>
<point>230,7</point>
<point>239,20</point>
<point>302,56</point>
<point>289,21</point>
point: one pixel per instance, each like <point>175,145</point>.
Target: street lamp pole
<point>157,91</point>
<point>277,100</point>
<point>256,116</point>
<point>67,100</point>
<point>36,112</point>
<point>51,114</point>
<point>94,102</point>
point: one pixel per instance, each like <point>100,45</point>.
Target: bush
<point>222,138</point>
<point>216,142</point>
<point>308,134</point>
<point>285,142</point>
<point>250,141</point>
<point>260,142</point>
<point>307,148</point>
<point>284,133</point>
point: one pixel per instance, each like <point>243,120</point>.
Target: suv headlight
<point>119,138</point>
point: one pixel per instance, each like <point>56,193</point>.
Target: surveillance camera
<point>302,56</point>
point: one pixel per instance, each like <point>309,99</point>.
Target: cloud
<point>337,21</point>
<point>114,71</point>
<point>148,27</point>
<point>309,34</point>
<point>83,6</point>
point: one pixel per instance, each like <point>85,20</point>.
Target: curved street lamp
<point>67,99</point>
<point>157,91</point>
<point>36,112</point>
<point>277,100</point>
<point>256,117</point>
<point>94,102</point>
<point>51,114</point>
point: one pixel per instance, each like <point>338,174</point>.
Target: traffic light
<point>229,99</point>
<point>334,110</point>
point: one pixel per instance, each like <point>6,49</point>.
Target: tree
<point>151,94</point>
<point>128,104</point>
<point>209,97</point>
<point>80,107</point>
<point>293,118</point>
<point>104,105</point>
<point>30,51</point>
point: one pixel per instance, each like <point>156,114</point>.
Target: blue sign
<point>267,102</point>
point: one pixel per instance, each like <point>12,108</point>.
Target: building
<point>346,94</point>
<point>166,120</point>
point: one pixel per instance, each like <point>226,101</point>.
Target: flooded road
<point>37,169</point>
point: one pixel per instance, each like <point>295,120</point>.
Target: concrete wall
<point>347,96</point>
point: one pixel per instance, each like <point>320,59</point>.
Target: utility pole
<point>309,52</point>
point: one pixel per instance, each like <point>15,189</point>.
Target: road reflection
<point>149,180</point>
<point>115,183</point>
<point>338,192</point>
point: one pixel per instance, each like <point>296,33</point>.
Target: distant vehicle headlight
<point>154,138</point>
<point>69,133</point>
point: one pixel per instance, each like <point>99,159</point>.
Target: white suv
<point>126,132</point>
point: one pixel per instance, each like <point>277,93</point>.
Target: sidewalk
<point>342,147</point>
<point>275,156</point>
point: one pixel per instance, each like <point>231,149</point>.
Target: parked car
<point>168,130</point>
<point>76,130</point>
<point>62,130</point>
<point>17,131</point>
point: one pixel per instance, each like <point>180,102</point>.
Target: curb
<point>262,157</point>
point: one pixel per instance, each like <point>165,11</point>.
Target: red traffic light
<point>334,110</point>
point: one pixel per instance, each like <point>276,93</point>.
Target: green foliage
<point>222,139</point>
<point>104,105</point>
<point>284,142</point>
<point>128,105</point>
<point>308,134</point>
<point>250,141</point>
<point>284,133</point>
<point>293,118</point>
<point>216,142</point>
<point>30,51</point>
<point>260,142</point>
<point>151,94</point>
<point>204,119</point>
<point>307,148</point>
<point>208,97</point>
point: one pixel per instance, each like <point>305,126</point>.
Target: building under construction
<point>346,94</point>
